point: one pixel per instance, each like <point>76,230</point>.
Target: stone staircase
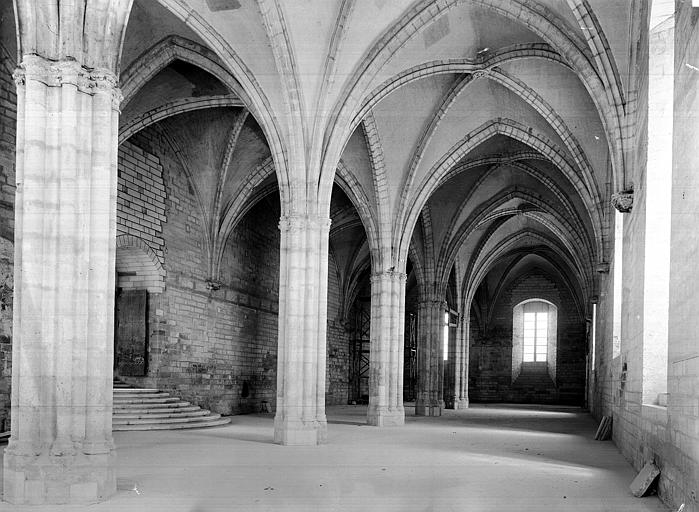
<point>151,409</point>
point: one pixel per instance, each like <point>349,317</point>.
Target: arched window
<point>534,337</point>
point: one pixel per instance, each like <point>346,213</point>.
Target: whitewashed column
<point>303,280</point>
<point>61,448</point>
<point>386,349</point>
<point>430,357</point>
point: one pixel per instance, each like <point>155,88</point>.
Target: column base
<point>58,479</point>
<point>385,417</point>
<point>424,408</point>
<point>461,404</point>
<point>299,432</point>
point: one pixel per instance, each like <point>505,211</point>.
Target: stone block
<point>643,481</point>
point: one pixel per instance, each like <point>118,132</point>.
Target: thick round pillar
<point>430,358</point>
<point>386,350</point>
<point>300,417</point>
<point>61,448</point>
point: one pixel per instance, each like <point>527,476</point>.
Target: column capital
<point>296,222</point>
<point>623,201</point>
<point>54,73</point>
<point>602,267</point>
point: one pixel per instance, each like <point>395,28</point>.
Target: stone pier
<point>300,416</point>
<point>386,350</point>
<point>61,449</point>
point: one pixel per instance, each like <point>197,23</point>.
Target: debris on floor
<point>643,481</point>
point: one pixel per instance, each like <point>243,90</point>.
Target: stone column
<point>303,282</point>
<point>386,349</point>
<point>429,358</point>
<point>461,378</point>
<point>61,449</point>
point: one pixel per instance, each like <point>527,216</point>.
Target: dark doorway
<point>131,341</point>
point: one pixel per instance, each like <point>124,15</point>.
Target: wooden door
<point>131,343</point>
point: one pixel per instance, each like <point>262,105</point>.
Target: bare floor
<point>487,458</point>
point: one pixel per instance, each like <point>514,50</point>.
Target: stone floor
<point>487,458</point>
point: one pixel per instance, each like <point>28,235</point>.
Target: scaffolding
<point>359,353</point>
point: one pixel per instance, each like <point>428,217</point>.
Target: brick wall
<point>490,361</point>
<point>8,115</point>
<point>141,196</point>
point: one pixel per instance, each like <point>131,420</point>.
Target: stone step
<point>196,411</point>
<point>129,395</point>
<point>173,426</point>
<point>155,400</point>
<point>163,421</point>
<point>145,407</point>
<point>152,409</point>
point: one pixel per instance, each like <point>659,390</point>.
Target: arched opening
<point>534,342</point>
<point>139,280</point>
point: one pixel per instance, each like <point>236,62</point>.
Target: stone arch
<point>411,203</point>
<point>378,173</point>
<point>137,265</point>
<point>356,194</point>
<point>592,248</point>
<point>481,263</point>
<point>537,18</point>
<point>171,109</point>
<point>240,81</point>
<point>472,68</point>
<point>490,210</point>
<point>250,194</point>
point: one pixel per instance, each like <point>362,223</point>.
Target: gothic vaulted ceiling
<point>479,137</point>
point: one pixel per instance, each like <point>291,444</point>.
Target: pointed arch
<point>414,198</point>
<point>535,17</point>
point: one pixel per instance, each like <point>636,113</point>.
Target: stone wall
<point>8,115</point>
<point>337,374</point>
<point>648,432</point>
<point>681,475</point>
<point>214,347</point>
<point>490,361</point>
<point>141,196</point>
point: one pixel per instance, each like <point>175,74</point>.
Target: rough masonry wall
<point>141,196</point>
<point>8,115</point>
<point>337,374</point>
<point>490,356</point>
<point>215,347</point>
